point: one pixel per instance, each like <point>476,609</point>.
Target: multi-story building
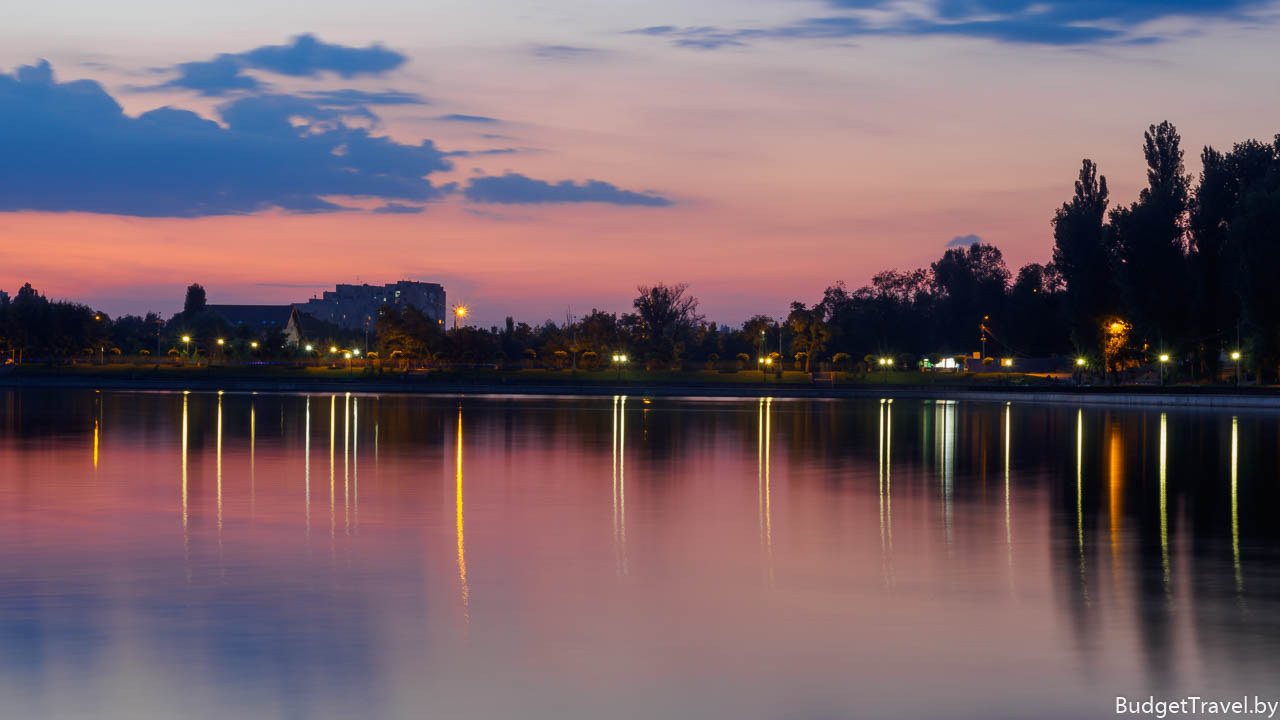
<point>357,306</point>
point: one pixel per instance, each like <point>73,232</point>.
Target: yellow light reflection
<point>1235,509</point>
<point>619,483</point>
<point>333,414</point>
<point>1008,510</point>
<point>763,476</point>
<point>346,462</point>
<point>880,454</point>
<point>253,467</point>
<point>1115,489</point>
<point>1164,499</point>
<point>95,443</point>
<point>306,464</point>
<point>184,466</point>
<point>888,470</point>
<point>462,546</point>
<point>219,473</point>
<point>355,459</point>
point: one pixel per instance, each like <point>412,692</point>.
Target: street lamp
<point>254,344</point>
<point>186,344</point>
<point>1080,362</point>
<point>310,348</point>
<point>1164,360</point>
<point>459,312</point>
<point>619,359</point>
<point>1235,358</point>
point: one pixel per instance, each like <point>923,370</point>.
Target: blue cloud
<point>393,208</point>
<point>568,52</point>
<point>349,98</point>
<point>213,77</point>
<point>70,147</point>
<point>964,240</point>
<point>1039,22</point>
<point>516,189</point>
<point>458,117</point>
<point>305,56</point>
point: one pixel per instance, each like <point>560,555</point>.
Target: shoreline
<point>1123,396</point>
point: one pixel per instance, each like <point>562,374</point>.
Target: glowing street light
<point>1006,362</point>
<point>1235,358</point>
<point>254,344</point>
<point>310,348</point>
<point>619,359</point>
<point>459,312</point>
<point>1080,362</point>
<point>221,341</point>
<point>355,353</point>
<point>333,349</point>
<point>1164,360</point>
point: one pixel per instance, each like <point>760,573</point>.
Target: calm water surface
<point>223,556</point>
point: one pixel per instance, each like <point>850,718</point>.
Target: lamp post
<point>1235,358</point>
<point>186,345</point>
<point>619,359</point>
<point>1164,360</point>
<point>459,311</point>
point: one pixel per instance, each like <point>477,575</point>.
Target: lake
<point>332,556</point>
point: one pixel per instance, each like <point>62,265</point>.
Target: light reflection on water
<point>982,559</point>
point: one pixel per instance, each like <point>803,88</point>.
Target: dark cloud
<point>458,117</point>
<point>568,52</point>
<point>516,189</point>
<point>964,240</point>
<point>340,98</point>
<point>1038,22</point>
<point>305,56</point>
<point>474,153</point>
<point>393,208</point>
<point>70,147</point>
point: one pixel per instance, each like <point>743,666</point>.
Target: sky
<point>543,159</point>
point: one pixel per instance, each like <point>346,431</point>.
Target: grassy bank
<point>166,373</point>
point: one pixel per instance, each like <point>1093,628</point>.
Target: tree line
<point>1185,270</point>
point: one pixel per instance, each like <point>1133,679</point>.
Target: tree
<point>668,316</point>
<point>195,302</point>
<point>1149,241</point>
<point>1082,256</point>
<point>1253,249</point>
<point>973,282</point>
<point>811,331</point>
<point>1213,210</point>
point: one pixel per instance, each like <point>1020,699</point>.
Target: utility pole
<point>982,326</point>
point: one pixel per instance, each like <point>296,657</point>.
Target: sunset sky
<point>545,158</point>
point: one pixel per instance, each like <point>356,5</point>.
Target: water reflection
<point>1131,556</point>
<point>619,438</point>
